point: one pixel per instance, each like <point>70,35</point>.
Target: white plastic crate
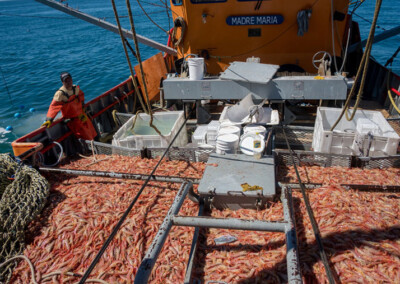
<point>351,137</point>
<point>212,132</point>
<point>144,136</point>
<point>199,135</point>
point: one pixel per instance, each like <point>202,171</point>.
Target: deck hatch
<point>225,175</point>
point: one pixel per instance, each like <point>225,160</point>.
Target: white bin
<point>350,137</point>
<point>199,135</point>
<point>144,136</point>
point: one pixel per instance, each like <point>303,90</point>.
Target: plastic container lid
<point>247,143</point>
<point>229,130</point>
<point>227,138</point>
<point>254,128</point>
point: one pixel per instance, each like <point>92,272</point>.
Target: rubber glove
<point>47,123</point>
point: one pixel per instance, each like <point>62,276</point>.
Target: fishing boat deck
<point>360,230</point>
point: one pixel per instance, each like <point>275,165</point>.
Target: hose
<point>363,66</point>
<point>390,93</point>
<point>41,158</point>
<point>33,280</point>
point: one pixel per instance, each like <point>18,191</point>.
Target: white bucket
<point>196,68</point>
<point>230,129</point>
<point>227,143</point>
<point>254,128</point>
<point>247,143</point>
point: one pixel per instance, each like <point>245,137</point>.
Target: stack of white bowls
<point>227,144</point>
<point>229,129</point>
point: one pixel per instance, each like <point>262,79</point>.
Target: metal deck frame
<point>172,219</point>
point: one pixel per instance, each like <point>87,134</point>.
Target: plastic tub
<point>143,136</point>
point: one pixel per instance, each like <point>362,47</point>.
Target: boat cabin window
<point>206,1</point>
<point>177,2</point>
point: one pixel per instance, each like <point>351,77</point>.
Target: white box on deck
<point>199,135</point>
<point>351,137</point>
<point>144,136</point>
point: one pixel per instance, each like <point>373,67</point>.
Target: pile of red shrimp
<point>340,175</point>
<point>360,230</point>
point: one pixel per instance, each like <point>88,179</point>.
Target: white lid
<point>247,143</point>
<point>229,130</point>
<point>254,128</point>
<point>227,138</point>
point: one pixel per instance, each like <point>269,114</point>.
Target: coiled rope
<point>23,194</point>
<point>178,23</point>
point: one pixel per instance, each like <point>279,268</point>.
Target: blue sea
<point>38,42</point>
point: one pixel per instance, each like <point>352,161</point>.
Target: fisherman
<point>69,99</point>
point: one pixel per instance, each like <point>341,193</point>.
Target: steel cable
<point>128,5</point>
<point>128,210</point>
<point>127,58</point>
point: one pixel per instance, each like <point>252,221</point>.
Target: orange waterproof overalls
<point>70,103</point>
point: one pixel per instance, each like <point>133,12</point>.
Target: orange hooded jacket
<point>70,103</point>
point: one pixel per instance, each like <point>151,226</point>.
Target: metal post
<point>292,256</point>
<point>229,223</point>
<point>152,253</point>
<point>116,175</point>
<point>193,249</point>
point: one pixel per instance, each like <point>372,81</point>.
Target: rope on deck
<point>23,194</point>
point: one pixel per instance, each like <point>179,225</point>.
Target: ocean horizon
<point>38,43</point>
